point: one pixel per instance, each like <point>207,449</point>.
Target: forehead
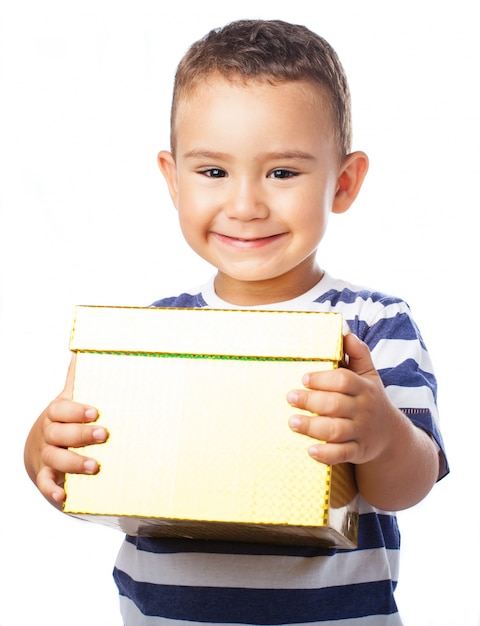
<point>218,102</point>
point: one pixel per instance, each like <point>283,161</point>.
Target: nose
<point>246,200</point>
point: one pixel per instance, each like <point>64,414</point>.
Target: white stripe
<point>413,398</point>
<point>258,571</point>
<point>133,617</point>
<point>369,311</point>
<point>392,352</point>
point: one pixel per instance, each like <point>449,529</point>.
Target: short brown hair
<point>270,50</point>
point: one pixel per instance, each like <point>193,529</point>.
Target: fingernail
<point>90,466</point>
<point>57,496</point>
<point>99,434</point>
<point>91,415</point>
<point>294,422</point>
<point>292,397</point>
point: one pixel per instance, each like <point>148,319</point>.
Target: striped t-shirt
<point>171,581</point>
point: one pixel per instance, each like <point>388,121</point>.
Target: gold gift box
<point>199,445</point>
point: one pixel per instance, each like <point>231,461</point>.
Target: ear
<point>168,167</point>
<point>350,179</point>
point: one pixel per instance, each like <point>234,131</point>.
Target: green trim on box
<point>224,357</point>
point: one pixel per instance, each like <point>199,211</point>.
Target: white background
<point>85,91</point>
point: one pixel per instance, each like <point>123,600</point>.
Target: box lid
<point>281,334</point>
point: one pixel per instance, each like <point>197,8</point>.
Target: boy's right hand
<point>64,424</point>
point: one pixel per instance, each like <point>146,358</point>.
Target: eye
<point>281,173</point>
<point>214,172</point>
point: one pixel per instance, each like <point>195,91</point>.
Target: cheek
<point>193,203</point>
<point>192,224</point>
<point>185,220</point>
<point>314,221</point>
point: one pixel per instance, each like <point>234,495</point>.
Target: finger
<point>342,381</point>
<point>67,462</point>
<point>359,357</point>
<point>327,403</point>
<point>74,435</point>
<point>334,453</point>
<point>325,429</point>
<point>65,410</point>
<point>49,484</point>
<point>68,389</point>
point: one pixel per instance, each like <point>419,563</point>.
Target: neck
<point>278,289</point>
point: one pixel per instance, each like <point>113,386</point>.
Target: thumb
<point>359,357</point>
<point>68,389</point>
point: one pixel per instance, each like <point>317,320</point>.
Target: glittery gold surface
<point>201,446</point>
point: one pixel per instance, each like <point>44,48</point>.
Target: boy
<point>260,156</point>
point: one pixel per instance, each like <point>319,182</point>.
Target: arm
<point>62,425</point>
<point>396,462</point>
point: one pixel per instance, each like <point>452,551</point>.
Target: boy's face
<point>255,177</point>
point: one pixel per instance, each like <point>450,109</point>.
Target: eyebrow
<point>287,155</point>
<point>205,154</point>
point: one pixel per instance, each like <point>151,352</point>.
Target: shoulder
<point>382,320</point>
<point>340,292</point>
<point>364,307</point>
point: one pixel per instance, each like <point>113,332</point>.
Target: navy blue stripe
<point>259,606</point>
<point>375,531</point>
<point>378,531</point>
<point>408,374</point>
<point>184,300</point>
<point>349,297</point>
<point>399,326</point>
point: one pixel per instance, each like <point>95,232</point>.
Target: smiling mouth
<point>252,242</point>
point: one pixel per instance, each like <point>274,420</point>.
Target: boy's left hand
<point>351,411</point>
